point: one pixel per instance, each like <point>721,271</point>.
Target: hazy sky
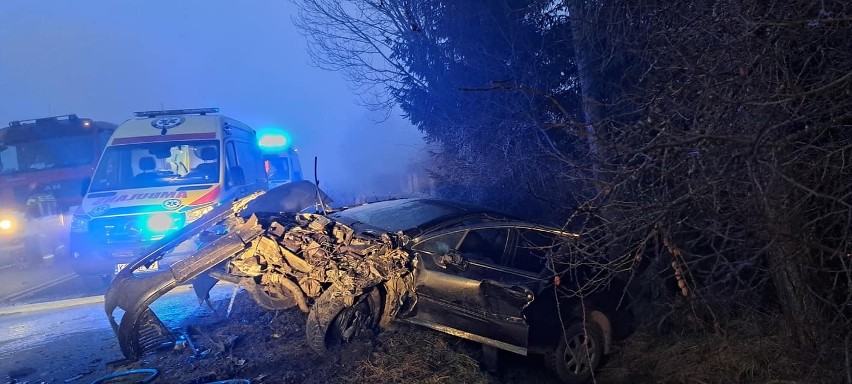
<point>105,59</point>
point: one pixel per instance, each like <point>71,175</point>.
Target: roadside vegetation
<point>702,149</point>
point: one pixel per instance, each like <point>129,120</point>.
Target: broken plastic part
<point>151,372</point>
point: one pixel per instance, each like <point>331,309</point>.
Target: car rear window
<point>396,215</point>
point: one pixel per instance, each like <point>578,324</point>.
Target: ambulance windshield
<point>164,164</point>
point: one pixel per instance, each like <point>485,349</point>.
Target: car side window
<point>486,245</point>
<point>233,165</point>
<point>532,249</point>
<point>231,153</point>
<point>249,162</point>
<point>439,244</point>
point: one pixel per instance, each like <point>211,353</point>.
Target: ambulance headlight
<point>80,224</point>
<point>160,222</point>
<point>197,213</point>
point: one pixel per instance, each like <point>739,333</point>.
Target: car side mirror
<point>84,186</point>
<point>453,259</point>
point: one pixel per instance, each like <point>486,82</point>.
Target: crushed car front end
<point>138,329</point>
<point>283,260</point>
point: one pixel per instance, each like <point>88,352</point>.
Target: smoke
<point>106,60</point>
<point>365,160</point>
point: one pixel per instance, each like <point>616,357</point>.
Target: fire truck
<point>43,163</point>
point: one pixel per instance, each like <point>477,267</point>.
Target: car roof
<point>412,216</point>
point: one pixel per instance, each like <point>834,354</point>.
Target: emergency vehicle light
<point>17,123</point>
<point>171,112</point>
<point>272,140</point>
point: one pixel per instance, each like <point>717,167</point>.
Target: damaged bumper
<point>139,329</point>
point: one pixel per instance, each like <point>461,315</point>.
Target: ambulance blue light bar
<point>172,112</point>
<point>273,140</point>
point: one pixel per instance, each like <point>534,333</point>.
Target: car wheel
<point>579,353</point>
<point>331,322</point>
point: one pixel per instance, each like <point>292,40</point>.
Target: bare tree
<point>702,148</point>
<point>359,38</point>
<point>725,141</point>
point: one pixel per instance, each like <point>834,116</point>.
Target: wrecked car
<point>454,268</point>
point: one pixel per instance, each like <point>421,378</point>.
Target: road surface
<point>72,340</point>
<point>47,282</point>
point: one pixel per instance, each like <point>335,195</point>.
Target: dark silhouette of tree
<point>701,148</point>
<point>478,77</point>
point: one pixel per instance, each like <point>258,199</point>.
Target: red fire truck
<point>43,163</point>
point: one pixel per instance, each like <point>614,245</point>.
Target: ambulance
<point>158,173</point>
<point>280,158</point>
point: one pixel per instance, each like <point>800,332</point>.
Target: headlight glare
<point>160,222</point>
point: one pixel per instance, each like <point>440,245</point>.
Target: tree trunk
<point>588,62</point>
<point>787,261</point>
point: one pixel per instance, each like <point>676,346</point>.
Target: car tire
<point>331,322</point>
<point>571,361</point>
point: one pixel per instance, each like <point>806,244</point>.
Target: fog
<point>106,59</point>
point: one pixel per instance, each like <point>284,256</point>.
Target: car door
<point>530,249</point>
<point>463,290</point>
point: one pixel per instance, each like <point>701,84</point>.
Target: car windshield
<point>57,152</point>
<point>157,165</point>
<point>396,215</point>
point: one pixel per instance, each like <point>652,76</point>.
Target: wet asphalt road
<point>45,282</point>
<point>53,327</point>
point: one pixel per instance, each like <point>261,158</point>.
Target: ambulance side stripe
<point>208,197</point>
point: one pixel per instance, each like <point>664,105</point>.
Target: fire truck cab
<point>158,173</point>
<point>43,164</point>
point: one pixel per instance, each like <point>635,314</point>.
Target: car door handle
<point>515,290</point>
<point>523,292</point>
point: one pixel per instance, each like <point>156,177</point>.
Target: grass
<point>742,355</point>
<point>418,356</point>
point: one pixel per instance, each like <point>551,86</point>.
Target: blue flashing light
<point>160,222</point>
<point>273,140</point>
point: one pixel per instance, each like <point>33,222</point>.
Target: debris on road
<point>151,374</point>
<point>418,355</point>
